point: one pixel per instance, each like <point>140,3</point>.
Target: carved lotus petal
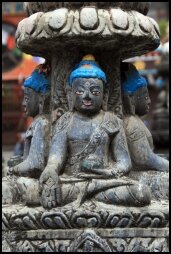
<point>88,18</point>
<point>59,223</point>
<point>114,221</point>
<point>156,222</point>
<point>49,222</point>
<point>144,23</point>
<point>32,22</point>
<point>156,26</point>
<point>119,19</point>
<point>81,222</point>
<point>58,19</point>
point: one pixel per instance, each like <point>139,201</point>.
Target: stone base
<point>91,227</point>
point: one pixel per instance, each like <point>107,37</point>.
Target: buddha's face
<point>31,102</point>
<point>87,95</point>
<point>142,101</point>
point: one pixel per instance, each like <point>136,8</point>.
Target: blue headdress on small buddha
<point>131,80</point>
<point>38,81</point>
<point>87,68</point>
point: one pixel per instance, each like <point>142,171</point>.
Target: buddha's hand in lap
<point>49,188</point>
<point>12,171</point>
<point>104,173</point>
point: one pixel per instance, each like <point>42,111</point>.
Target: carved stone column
<point>62,33</point>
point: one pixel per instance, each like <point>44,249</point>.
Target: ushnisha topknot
<point>87,68</point>
<point>38,81</point>
<point>131,80</point>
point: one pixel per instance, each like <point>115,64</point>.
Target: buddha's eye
<point>79,92</point>
<point>146,98</point>
<point>95,92</point>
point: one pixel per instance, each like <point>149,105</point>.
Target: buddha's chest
<point>81,130</point>
<point>87,137</point>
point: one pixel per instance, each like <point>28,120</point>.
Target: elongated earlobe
<point>70,101</point>
<point>44,103</point>
<point>69,98</point>
<point>105,100</point>
<point>128,104</point>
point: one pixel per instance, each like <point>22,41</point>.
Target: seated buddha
<point>20,184</point>
<point>88,157</point>
<point>136,103</point>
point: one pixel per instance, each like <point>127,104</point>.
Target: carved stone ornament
<point>89,180</point>
<point>95,26</point>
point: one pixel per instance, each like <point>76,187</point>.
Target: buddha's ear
<point>105,98</point>
<point>69,98</point>
<point>128,104</point>
<point>44,101</point>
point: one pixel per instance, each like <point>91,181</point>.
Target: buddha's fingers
<point>58,195</point>
<point>44,200</point>
<point>54,204</point>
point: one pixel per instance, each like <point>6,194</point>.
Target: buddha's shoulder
<point>112,117</point>
<point>63,121</point>
<point>133,127</point>
<point>130,121</point>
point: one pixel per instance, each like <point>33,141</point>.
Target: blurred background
<point>16,66</point>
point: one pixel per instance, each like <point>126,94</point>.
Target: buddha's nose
<point>86,95</point>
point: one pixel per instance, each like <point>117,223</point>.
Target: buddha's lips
<point>87,102</point>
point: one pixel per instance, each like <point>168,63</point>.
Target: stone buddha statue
<point>136,103</point>
<point>88,157</point>
<point>20,184</point>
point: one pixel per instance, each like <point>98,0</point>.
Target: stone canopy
<point>115,26</point>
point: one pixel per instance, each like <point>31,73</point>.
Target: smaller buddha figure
<point>136,103</point>
<point>20,182</point>
<point>88,157</point>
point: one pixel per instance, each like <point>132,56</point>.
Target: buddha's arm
<point>58,151</point>
<point>49,179</point>
<point>141,153</point>
<point>35,160</point>
<point>120,153</point>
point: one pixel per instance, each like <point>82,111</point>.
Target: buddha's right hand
<point>49,188</point>
<point>9,171</point>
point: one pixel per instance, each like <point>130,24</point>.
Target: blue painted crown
<point>131,80</point>
<point>87,68</point>
<point>37,81</point>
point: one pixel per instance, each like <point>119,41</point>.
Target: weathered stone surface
<point>144,23</point>
<point>76,190</point>
<point>121,230</point>
<point>58,19</point>
<point>88,18</point>
<point>33,7</point>
<point>27,218</point>
<point>91,242</point>
<point>158,182</point>
<point>91,28</point>
<point>119,19</point>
